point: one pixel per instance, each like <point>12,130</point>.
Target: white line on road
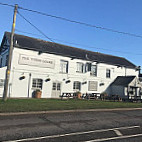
<point>70,134</point>
<point>114,138</point>
<point>117,132</point>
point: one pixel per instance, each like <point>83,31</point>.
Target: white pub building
<point>56,69</point>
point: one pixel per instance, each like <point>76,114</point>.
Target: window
<point>54,86</point>
<point>88,67</point>
<point>37,83</point>
<point>1,62</point>
<point>93,85</point>
<point>6,60</point>
<point>77,85</point>
<point>107,73</point>
<point>2,82</point>
<point>64,66</point>
<point>58,86</point>
<point>93,70</point>
<point>80,67</point>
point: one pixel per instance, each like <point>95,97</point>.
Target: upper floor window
<point>64,66</point>
<point>6,60</point>
<point>108,73</point>
<point>88,67</point>
<point>0,62</point>
<point>77,85</point>
<point>37,83</point>
<point>93,70</point>
<point>80,67</point>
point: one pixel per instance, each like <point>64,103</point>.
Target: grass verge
<point>26,105</point>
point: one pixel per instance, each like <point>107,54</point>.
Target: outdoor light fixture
<point>84,82</point>
<point>48,79</point>
<point>22,77</point>
<point>101,84</point>
<point>68,81</point>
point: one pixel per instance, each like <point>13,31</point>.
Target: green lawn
<point>23,105</point>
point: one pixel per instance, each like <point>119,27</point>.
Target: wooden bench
<point>68,95</point>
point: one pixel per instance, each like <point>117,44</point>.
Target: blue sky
<point>121,15</point>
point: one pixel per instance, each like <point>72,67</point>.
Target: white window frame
<point>63,66</point>
<point>37,83</point>
<point>76,85</point>
<point>56,86</point>
<point>80,67</point>
<point>93,71</point>
<point>92,86</point>
<point>108,73</point>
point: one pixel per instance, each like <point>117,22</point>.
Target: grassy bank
<point>23,105</point>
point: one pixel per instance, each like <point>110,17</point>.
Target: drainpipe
<point>29,82</point>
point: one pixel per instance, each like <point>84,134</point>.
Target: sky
<point>120,15</point>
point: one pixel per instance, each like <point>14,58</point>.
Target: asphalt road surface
<point>114,126</point>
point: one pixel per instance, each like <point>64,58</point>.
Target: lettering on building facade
<point>34,61</point>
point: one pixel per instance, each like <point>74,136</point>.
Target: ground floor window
<point>37,83</point>
<point>2,82</point>
<point>77,85</point>
<point>56,86</point>
<point>93,86</point>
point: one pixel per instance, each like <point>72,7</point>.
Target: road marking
<point>70,134</point>
<point>117,132</point>
<point>68,111</point>
<point>114,138</point>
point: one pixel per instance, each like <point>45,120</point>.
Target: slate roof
<point>29,43</point>
<point>123,80</point>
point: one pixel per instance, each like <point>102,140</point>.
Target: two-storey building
<point>55,68</point>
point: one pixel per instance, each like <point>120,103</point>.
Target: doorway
<point>56,89</point>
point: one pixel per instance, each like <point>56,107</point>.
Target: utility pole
<point>10,56</point>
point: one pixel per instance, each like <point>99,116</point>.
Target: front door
<point>56,89</point>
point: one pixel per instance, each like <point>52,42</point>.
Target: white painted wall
<point>2,76</point>
<point>19,88</point>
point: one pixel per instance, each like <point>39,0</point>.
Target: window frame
<point>1,60</point>
<point>80,67</point>
<point>76,85</point>
<point>62,66</point>
<point>6,60</point>
<point>93,72</point>
<point>2,82</point>
<point>36,84</point>
<point>108,73</point>
<point>93,89</point>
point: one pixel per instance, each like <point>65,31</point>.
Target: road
<point>73,127</point>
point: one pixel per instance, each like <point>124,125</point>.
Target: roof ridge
<point>68,46</point>
<point>36,44</point>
